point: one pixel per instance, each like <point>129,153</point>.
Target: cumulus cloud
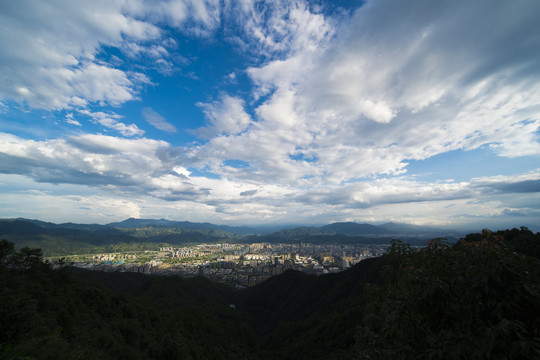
<point>277,28</point>
<point>399,81</point>
<point>158,121</point>
<point>53,46</point>
<point>523,183</point>
<point>154,171</point>
<point>53,59</point>
<point>423,203</point>
<point>368,194</point>
<point>134,165</point>
<point>112,121</point>
<point>226,117</point>
<point>194,16</point>
<point>339,105</point>
<point>71,205</point>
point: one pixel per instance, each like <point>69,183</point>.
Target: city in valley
<point>241,265</point>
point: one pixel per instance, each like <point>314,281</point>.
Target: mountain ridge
<point>336,228</point>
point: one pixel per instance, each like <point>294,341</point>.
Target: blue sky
<point>258,112</point>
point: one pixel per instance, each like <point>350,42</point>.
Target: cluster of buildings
<point>242,265</point>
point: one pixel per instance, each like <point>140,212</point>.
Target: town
<point>241,265</point>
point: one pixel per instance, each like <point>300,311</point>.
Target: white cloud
<point>278,28</point>
<point>53,46</point>
<point>94,160</point>
<point>53,59</point>
<point>70,203</point>
<point>226,116</point>
<point>111,121</point>
<point>231,77</point>
<point>199,17</point>
<point>452,204</point>
<point>158,121</point>
<point>158,176</point>
<point>71,120</point>
<point>399,81</point>
<point>337,103</point>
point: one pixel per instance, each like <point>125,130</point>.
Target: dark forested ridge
<point>476,299</point>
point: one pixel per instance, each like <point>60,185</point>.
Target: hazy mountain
<point>351,232</point>
<point>352,228</point>
<point>139,223</point>
<point>178,232</point>
<point>132,223</point>
<point>49,225</point>
<point>19,226</point>
<point>143,234</point>
<point>399,228</point>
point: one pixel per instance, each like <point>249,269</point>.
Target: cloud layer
<point>56,59</point>
<point>339,102</point>
<point>399,81</point>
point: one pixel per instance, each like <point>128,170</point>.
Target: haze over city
<point>271,112</point>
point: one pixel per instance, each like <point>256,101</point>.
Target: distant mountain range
<point>70,238</point>
<point>340,228</point>
<point>352,228</point>
<point>133,223</point>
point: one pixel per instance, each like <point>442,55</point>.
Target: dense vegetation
<point>71,314</point>
<point>476,299</point>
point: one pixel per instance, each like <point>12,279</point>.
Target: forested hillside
<point>477,299</point>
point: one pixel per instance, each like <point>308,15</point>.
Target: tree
<point>27,258</point>
<point>6,249</point>
<point>475,300</point>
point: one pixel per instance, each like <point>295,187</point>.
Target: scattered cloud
<point>226,117</point>
<point>231,77</point>
<point>523,183</point>
<point>54,59</point>
<point>71,120</point>
<point>158,121</point>
<point>197,17</point>
<point>388,89</point>
<point>111,121</point>
<point>93,160</point>
<point>72,203</point>
<point>155,170</point>
<point>52,63</point>
<point>337,106</point>
<point>276,28</point>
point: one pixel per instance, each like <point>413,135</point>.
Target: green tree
<point>27,258</point>
<point>474,300</point>
<point>6,249</point>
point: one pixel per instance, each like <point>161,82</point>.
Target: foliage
<point>27,258</point>
<point>46,314</point>
<point>474,300</point>
<point>6,249</point>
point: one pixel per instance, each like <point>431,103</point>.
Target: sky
<point>271,112</point>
